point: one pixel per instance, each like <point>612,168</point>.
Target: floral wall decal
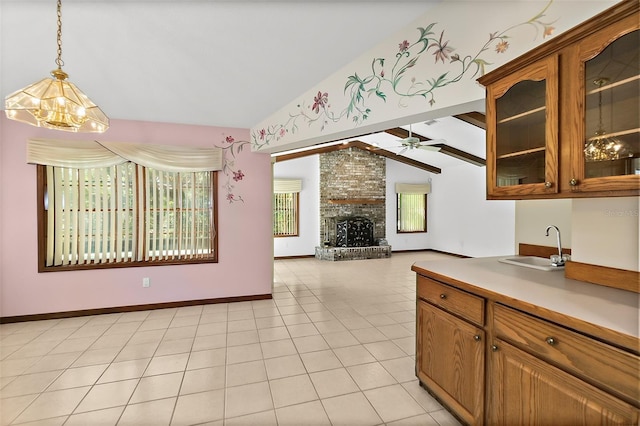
<point>391,77</point>
<point>230,149</point>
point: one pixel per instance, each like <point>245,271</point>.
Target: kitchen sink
<point>540,263</point>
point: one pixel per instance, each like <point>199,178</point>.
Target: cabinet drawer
<point>601,364</point>
<point>461,303</point>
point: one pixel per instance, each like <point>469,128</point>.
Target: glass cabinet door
<point>520,134</point>
<point>524,160</point>
<point>610,153</point>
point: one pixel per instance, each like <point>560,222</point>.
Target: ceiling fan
<point>412,142</point>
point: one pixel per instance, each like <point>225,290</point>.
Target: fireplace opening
<point>354,231</point>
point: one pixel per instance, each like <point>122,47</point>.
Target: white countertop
<point>615,309</point>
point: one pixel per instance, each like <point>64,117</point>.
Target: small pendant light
<point>603,146</point>
<point>55,103</point>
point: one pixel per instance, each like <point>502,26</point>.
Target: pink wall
<point>245,244</point>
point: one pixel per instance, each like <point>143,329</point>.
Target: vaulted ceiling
<point>213,62</point>
<point>228,63</point>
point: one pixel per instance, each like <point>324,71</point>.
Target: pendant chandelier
<point>603,147</point>
<point>55,103</point>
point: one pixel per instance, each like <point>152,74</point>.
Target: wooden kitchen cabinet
<point>528,391</point>
<point>522,131</point>
<point>496,360</point>
<point>548,109</point>
<point>606,99</point>
<point>451,360</point>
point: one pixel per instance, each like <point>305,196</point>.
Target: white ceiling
<point>208,62</point>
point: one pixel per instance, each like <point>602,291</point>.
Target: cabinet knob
<point>476,337</point>
<point>551,341</point>
<point>443,296</point>
<point>548,184</point>
<point>573,182</point>
<point>494,348</point>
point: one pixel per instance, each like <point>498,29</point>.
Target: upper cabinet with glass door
<point>606,146</point>
<point>563,119</point>
<point>522,123</point>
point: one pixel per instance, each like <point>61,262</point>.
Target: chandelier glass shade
<point>603,146</point>
<point>56,103</point>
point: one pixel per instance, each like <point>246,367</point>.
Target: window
<point>412,207</point>
<point>285,214</point>
<point>286,207</point>
<point>125,214</point>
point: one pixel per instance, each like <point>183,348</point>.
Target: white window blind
<point>287,185</point>
<point>413,188</point>
<point>412,206</point>
<point>123,212</point>
<point>90,154</point>
<point>286,206</point>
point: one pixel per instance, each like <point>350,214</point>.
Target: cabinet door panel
<point>606,153</point>
<point>451,356</point>
<point>522,132</point>
<point>527,391</point>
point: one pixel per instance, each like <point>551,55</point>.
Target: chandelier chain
<point>59,60</point>
<point>600,82</point>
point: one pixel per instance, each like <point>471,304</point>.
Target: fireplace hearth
<point>354,240</point>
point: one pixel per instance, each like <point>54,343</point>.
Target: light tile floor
<point>335,346</point>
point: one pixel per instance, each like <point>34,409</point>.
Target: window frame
<point>42,233</point>
<point>398,206</point>
<point>297,215</point>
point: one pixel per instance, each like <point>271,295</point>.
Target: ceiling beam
<point>445,149</point>
<point>363,146</point>
<point>475,118</point>
<point>401,133</point>
<point>460,155</point>
<point>399,158</point>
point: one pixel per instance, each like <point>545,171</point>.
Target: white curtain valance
<point>413,188</point>
<point>287,185</point>
<point>91,154</point>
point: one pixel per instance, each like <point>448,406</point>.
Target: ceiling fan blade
<point>429,148</point>
<point>403,150</point>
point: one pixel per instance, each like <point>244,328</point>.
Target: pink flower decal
<point>319,101</point>
<point>263,133</point>
<point>238,175</point>
<point>229,139</point>
<point>442,50</point>
<point>403,46</point>
<point>283,132</point>
<point>230,197</point>
<point>502,46</point>
<point>382,73</point>
<point>548,30</point>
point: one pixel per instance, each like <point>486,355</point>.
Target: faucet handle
<point>556,260</point>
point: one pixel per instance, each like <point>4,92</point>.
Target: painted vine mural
<point>233,175</point>
<point>391,77</point>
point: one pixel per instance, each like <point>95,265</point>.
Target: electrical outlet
<point>146,282</point>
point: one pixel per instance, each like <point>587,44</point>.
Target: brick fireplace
<point>352,205</point>
<point>352,184</point>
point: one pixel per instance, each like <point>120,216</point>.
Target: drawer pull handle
<point>443,296</point>
<point>476,337</point>
<point>551,341</point>
<point>494,348</point>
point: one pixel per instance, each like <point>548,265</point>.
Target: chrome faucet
<point>560,260</point>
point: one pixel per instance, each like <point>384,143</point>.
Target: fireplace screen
<point>354,232</point>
